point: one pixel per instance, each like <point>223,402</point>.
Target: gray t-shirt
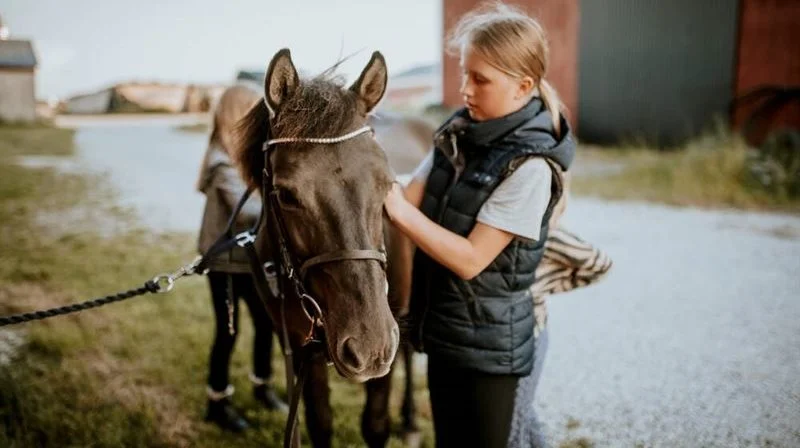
<point>518,204</point>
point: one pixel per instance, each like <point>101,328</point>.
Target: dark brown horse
<point>330,194</point>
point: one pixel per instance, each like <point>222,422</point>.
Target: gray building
<point>90,103</point>
<point>655,71</point>
<point>17,79</point>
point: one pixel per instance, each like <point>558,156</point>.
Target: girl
<point>478,210</point>
<point>229,274</point>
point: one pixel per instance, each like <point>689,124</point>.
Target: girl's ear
<point>526,85</point>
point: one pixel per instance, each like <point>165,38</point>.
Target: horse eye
<point>288,199</point>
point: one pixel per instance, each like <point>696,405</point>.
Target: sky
<point>86,45</point>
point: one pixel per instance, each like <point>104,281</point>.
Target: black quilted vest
<point>485,323</point>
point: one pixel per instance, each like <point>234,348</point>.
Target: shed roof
<point>17,54</point>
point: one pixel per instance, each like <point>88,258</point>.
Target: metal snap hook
<point>164,283</point>
<point>245,238</point>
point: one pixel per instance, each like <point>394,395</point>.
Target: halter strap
<point>341,255</point>
<point>322,141</point>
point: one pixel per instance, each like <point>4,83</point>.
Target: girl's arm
<point>466,257</point>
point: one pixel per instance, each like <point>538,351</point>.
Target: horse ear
<point>371,85</point>
<point>281,80</point>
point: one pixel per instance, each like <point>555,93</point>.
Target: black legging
<point>470,409</point>
<point>242,287</point>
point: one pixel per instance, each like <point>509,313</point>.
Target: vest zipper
<point>457,171</point>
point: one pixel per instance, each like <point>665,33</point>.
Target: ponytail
<point>552,102</point>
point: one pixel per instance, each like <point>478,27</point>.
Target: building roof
<point>420,70</point>
<point>17,54</point>
<point>251,75</point>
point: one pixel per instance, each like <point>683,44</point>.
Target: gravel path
<point>694,338</point>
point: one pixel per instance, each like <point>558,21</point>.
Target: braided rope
<point>149,287</point>
<point>322,141</point>
<point>162,283</point>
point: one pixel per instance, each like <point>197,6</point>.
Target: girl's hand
<point>395,201</point>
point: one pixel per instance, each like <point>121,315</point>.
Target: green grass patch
<point>34,140</point>
<point>132,373</point>
<point>711,171</point>
<point>200,128</point>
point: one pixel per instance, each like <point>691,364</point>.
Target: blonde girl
<point>477,210</point>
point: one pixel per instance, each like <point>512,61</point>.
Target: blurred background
<point>688,176</point>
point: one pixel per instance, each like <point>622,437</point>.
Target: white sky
<point>84,45</point>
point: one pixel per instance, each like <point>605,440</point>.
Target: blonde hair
<point>512,42</point>
<point>233,104</point>
<point>231,107</point>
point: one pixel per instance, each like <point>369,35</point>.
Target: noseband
<point>284,256</point>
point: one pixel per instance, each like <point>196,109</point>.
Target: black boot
<point>266,395</point>
<point>223,414</point>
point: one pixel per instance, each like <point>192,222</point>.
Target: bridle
<point>286,267</point>
<point>288,264</point>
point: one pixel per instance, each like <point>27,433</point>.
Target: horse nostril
<point>349,355</point>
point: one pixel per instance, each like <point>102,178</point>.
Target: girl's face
<point>488,92</point>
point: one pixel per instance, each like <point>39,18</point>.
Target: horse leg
<point>409,410</point>
<point>411,433</point>
<point>375,420</point>
<point>316,395</point>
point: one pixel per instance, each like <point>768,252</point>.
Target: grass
<point>129,374</point>
<point>201,128</point>
<point>710,171</point>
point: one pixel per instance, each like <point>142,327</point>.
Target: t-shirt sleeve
<point>424,168</point>
<point>519,203</point>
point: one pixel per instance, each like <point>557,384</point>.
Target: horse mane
<point>251,132</point>
<point>321,107</point>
